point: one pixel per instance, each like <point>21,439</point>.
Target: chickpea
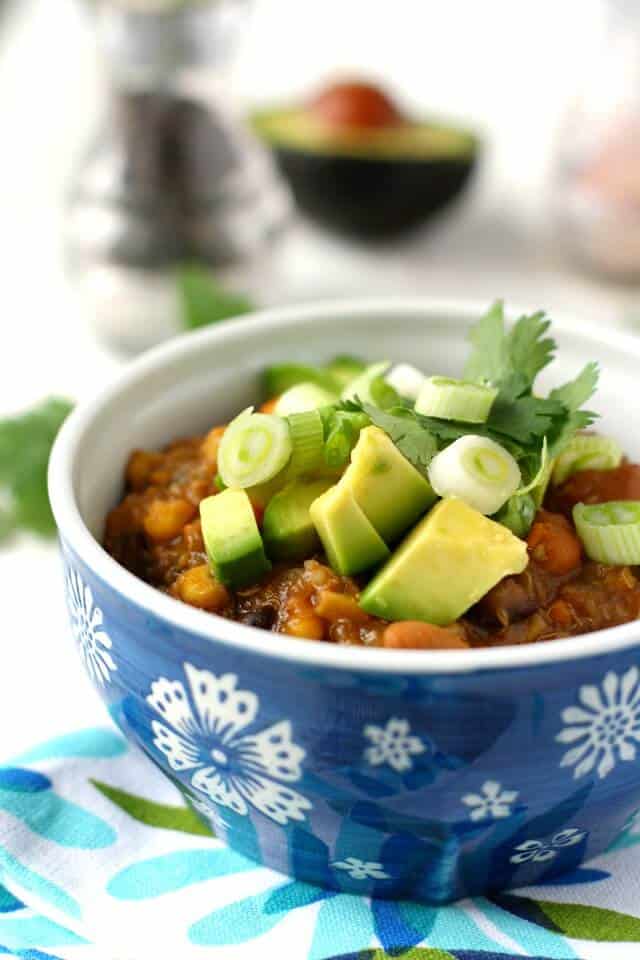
<point>339,606</point>
<point>307,628</point>
<point>199,588</point>
<point>165,519</point>
<point>139,469</point>
<point>210,444</point>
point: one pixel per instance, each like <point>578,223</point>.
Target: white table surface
<point>49,88</point>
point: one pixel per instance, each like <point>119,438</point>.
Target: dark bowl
<point>372,198</point>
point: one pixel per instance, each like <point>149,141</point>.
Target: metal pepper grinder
<point>172,174</point>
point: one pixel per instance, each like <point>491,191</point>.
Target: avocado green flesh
<point>297,129</point>
<point>288,530</point>
<point>445,565</point>
<point>387,488</point>
<point>232,539</point>
<point>349,540</point>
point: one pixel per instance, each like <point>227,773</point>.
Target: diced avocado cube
<point>232,539</point>
<point>385,485</point>
<point>451,559</point>
<point>288,530</point>
<point>349,539</point>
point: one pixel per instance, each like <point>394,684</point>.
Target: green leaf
<point>529,349</point>
<point>489,359</point>
<point>7,523</point>
<point>572,396</point>
<point>510,361</point>
<point>413,953</point>
<point>204,301</point>
<point>411,438</point>
<point>575,920</point>
<point>583,922</point>
<point>25,446</point>
<point>575,394</point>
<point>153,814</point>
<point>525,420</point>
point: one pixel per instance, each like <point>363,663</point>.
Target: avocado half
<point>368,183</point>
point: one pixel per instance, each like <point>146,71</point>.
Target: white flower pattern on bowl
<point>492,801</point>
<point>605,726</point>
<point>203,732</point>
<point>541,850</point>
<point>94,643</point>
<point>393,745</point>
<point>361,869</point>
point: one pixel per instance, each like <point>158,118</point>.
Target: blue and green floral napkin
<point>100,858</point>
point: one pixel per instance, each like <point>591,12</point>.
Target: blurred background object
<point>357,163</point>
<point>172,174</point>
<point>505,71</point>
<point>598,178</point>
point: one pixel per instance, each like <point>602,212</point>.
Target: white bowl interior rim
<point>211,627</point>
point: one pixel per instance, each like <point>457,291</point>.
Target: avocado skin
<point>371,198</point>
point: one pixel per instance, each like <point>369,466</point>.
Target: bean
<point>415,635</point>
<point>553,545</point>
<point>263,617</point>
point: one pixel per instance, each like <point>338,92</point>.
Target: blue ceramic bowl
<point>400,774</point>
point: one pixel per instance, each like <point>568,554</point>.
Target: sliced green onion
<point>255,447</point>
<point>586,451</point>
<point>345,369</point>
<point>307,438</point>
<point>282,376</point>
<point>407,380</point>
<point>517,514</point>
<point>542,473</point>
<point>478,471</point>
<point>610,532</point>
<point>360,388</point>
<point>341,431</point>
<point>304,396</point>
<point>455,400</point>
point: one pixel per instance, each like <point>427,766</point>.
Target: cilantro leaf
<point>576,393</point>
<point>489,359</point>
<point>411,438</point>
<point>25,446</point>
<point>529,352</point>
<point>526,419</point>
<point>572,395</point>
<point>204,301</point>
<point>510,360</point>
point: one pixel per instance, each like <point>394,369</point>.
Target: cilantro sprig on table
<point>25,446</point>
<point>521,421</point>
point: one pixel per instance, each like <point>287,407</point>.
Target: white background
<point>509,67</point>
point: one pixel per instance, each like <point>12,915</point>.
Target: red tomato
<point>355,105</point>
